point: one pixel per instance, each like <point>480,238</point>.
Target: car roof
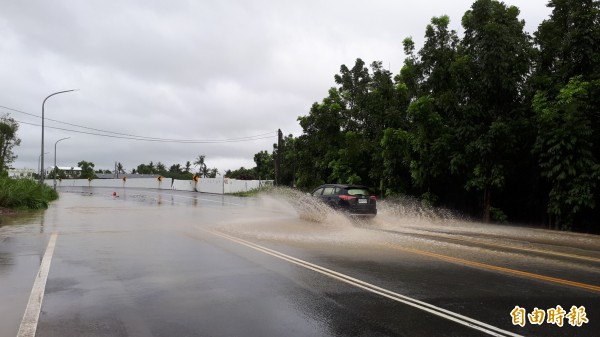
<point>342,186</point>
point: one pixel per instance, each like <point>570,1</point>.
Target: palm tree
<point>213,173</point>
<point>120,168</point>
<point>201,165</point>
<point>204,172</point>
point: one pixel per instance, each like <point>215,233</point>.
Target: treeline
<point>496,123</point>
<point>176,171</point>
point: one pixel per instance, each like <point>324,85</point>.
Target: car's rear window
<point>329,191</point>
<point>358,191</point>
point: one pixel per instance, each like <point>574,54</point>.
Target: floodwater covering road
<point>169,263</point>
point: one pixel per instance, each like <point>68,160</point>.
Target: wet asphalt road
<point>152,263</point>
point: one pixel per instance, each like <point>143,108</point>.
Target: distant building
<point>69,172</point>
<point>21,173</point>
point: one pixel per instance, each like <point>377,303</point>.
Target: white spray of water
<point>292,216</point>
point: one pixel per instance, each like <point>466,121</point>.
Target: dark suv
<point>354,199</point>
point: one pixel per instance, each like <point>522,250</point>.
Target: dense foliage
<point>495,123</point>
<point>25,194</point>
<point>8,140</point>
<point>176,171</point>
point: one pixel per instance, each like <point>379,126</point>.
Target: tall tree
<point>175,168</point>
<point>143,169</point>
<point>213,172</point>
<point>87,169</point>
<point>160,168</point>
<point>8,140</point>
<point>493,61</point>
<point>354,89</point>
<point>567,84</point>
<point>264,165</point>
<point>564,146</point>
<point>199,162</point>
<point>320,141</point>
<point>427,141</point>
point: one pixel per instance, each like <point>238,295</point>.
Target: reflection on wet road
<point>169,263</point>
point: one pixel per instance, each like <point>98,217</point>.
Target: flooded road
<point>169,263</point>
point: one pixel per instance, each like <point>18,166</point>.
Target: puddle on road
<point>21,222</point>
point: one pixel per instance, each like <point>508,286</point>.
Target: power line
<point>136,137</point>
<point>159,140</point>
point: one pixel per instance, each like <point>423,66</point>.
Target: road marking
<point>531,250</point>
<point>34,306</point>
<point>449,315</point>
<point>496,268</point>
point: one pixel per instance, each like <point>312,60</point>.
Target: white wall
<point>204,185</point>
<point>234,185</point>
<point>133,183</point>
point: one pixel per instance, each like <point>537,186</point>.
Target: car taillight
<point>347,197</point>
<point>374,198</point>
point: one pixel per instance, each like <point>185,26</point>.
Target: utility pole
<point>278,158</point>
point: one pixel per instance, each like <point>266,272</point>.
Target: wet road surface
<point>169,263</point>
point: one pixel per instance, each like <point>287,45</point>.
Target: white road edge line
<point>34,306</point>
<point>452,316</point>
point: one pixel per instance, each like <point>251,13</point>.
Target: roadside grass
<point>253,192</point>
<point>25,194</point>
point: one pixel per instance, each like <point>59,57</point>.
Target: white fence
<point>204,185</point>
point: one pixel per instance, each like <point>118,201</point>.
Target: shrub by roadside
<point>252,192</point>
<point>24,194</point>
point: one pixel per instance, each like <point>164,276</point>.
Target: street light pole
<point>55,168</point>
<point>39,168</point>
<point>42,152</point>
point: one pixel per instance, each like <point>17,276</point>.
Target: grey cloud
<point>192,69</point>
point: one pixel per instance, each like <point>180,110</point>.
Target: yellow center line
<point>532,250</point>
<point>497,268</point>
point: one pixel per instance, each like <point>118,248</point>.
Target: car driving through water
<point>352,199</point>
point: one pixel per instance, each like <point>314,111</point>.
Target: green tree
<point>241,174</point>
<point>568,43</point>
<point>320,141</point>
<point>426,140</point>
<point>354,89</point>
<point>175,168</point>
<point>143,169</point>
<point>288,160</point>
<point>87,170</point>
<point>160,168</point>
<point>202,169</point>
<point>264,165</point>
<point>564,146</point>
<point>492,64</point>
<point>567,97</point>
<point>8,140</point>
<point>213,173</point>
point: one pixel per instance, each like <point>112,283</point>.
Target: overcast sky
<point>193,70</point>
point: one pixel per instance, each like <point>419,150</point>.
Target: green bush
<point>25,194</point>
<point>253,192</point>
